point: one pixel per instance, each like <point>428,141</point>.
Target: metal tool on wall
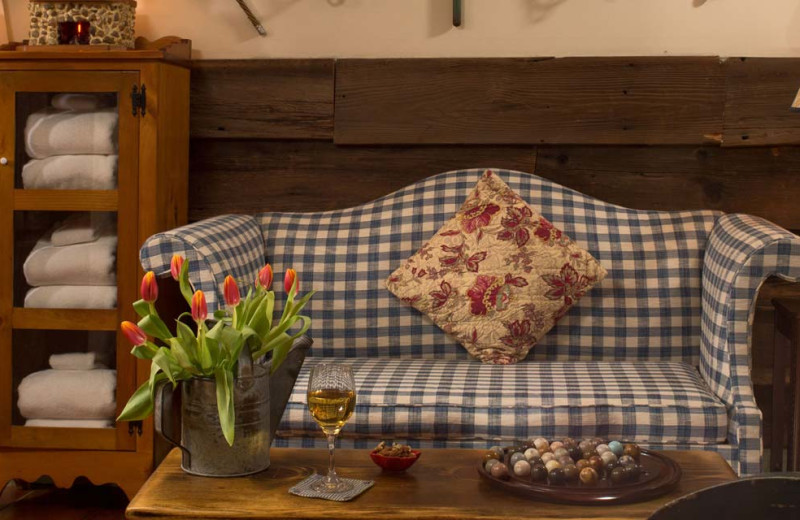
<point>457,13</point>
<point>252,18</point>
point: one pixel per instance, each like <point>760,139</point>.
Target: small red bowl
<point>395,463</point>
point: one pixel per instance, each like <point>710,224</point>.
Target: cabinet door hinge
<point>135,427</point>
<point>139,100</point>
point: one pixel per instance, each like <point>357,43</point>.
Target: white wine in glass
<point>331,401</point>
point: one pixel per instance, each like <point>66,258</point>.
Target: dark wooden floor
<point>44,502</point>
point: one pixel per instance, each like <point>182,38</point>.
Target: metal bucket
<point>205,451</point>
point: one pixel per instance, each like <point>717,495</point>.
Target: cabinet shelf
<point>63,438</point>
<point>64,319</point>
<point>66,200</point>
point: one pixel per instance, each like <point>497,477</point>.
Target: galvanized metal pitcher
<point>259,402</point>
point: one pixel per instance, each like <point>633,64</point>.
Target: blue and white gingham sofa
<point>658,353</point>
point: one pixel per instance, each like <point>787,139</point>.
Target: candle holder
<point>74,33</point>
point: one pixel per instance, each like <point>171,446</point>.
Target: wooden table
<point>786,353</point>
<point>443,484</point>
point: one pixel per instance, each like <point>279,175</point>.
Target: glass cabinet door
<point>69,151</point>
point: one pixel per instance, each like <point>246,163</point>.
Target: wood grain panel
<point>266,99</point>
<point>656,100</point>
<point>759,181</point>
<point>252,176</point>
<point>65,319</point>
<point>759,93</point>
<point>66,200</point>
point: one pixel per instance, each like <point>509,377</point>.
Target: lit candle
<point>82,33</point>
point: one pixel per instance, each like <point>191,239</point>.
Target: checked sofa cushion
<point>497,275</point>
<point>460,400</point>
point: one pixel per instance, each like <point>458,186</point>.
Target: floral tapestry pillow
<point>497,276</point>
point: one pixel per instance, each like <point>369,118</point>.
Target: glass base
<point>335,485</point>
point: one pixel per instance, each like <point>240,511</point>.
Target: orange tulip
<point>149,288</point>
<point>265,277</point>
<point>199,307</point>
<point>231,291</point>
<point>175,266</point>
<point>289,280</point>
<point>133,333</point>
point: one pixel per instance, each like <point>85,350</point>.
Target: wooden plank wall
<point>650,133</point>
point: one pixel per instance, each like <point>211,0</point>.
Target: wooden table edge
<point>135,510</point>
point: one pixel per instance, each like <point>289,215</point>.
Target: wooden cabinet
<point>93,160</point>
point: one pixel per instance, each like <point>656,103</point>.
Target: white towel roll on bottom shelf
<point>68,394</point>
<point>80,264</point>
<point>72,297</point>
<point>82,228</point>
<point>74,361</point>
<point>71,172</point>
<point>70,423</point>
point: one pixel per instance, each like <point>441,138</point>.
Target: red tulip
<point>265,277</point>
<point>133,333</point>
<point>149,288</point>
<point>289,280</point>
<point>231,291</point>
<point>175,266</point>
<point>199,307</point>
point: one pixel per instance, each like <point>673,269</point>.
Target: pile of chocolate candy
<point>588,461</point>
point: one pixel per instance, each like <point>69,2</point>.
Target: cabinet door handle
<point>3,161</point>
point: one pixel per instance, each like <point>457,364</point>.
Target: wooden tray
<point>660,475</point>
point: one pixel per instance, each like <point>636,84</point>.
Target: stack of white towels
<point>72,144</point>
<point>76,392</point>
<point>74,266</point>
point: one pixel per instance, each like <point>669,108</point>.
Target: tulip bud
<point>149,288</point>
<point>199,308</point>
<point>175,266</point>
<point>289,279</point>
<point>231,291</point>
<point>133,333</point>
<point>265,277</point>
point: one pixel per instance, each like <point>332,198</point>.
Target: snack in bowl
<point>397,457</point>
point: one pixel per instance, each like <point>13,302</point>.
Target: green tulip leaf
<point>225,406</point>
<point>183,283</point>
<point>153,326</point>
<point>140,405</point>
<point>181,356</point>
<point>142,308</point>
<point>144,351</point>
<point>163,358</point>
<point>270,309</point>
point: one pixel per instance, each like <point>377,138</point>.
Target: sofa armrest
<point>215,248</point>
<point>742,252</point>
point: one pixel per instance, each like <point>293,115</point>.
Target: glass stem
<point>332,477</point>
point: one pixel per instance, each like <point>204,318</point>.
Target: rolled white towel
<point>80,101</point>
<point>81,228</point>
<point>72,297</point>
<point>74,361</point>
<point>71,172</point>
<point>56,132</point>
<point>68,394</point>
<point>70,423</point>
<point>79,264</point>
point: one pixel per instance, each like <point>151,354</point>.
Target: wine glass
<point>331,400</point>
